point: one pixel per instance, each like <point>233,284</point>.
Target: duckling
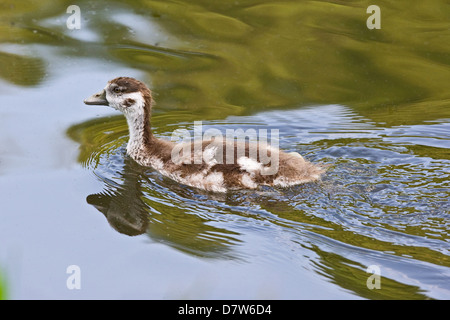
<point>246,170</point>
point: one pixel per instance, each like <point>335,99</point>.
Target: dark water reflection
<point>134,203</point>
<point>372,104</point>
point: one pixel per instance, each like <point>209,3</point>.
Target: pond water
<point>373,105</point>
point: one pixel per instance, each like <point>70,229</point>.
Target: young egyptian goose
<point>201,165</point>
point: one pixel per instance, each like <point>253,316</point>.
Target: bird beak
<point>98,99</point>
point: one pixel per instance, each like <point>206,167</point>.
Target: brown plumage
<point>205,166</point>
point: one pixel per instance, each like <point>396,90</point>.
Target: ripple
<point>379,201</point>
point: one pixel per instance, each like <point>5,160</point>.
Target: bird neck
<point>139,127</point>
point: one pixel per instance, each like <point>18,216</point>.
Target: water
<point>371,104</point>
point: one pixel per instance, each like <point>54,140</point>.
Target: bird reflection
<point>122,218</point>
<point>133,204</point>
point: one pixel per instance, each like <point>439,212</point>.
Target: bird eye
<point>116,89</point>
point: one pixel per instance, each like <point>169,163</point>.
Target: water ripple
<point>386,201</point>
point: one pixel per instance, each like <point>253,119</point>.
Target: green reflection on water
<point>239,58</point>
<point>3,287</point>
<point>236,58</point>
<point>349,275</point>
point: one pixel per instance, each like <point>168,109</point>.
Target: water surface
<point>371,104</point>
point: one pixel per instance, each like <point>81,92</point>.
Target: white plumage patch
<point>248,182</point>
<point>118,103</point>
<point>214,182</point>
<point>249,165</point>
